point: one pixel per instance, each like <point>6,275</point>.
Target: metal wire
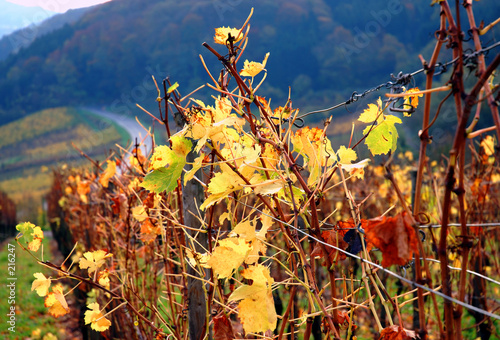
<point>402,79</point>
<point>480,225</point>
<point>468,271</point>
<point>415,284</point>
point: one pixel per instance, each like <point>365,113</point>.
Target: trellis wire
<point>468,271</point>
<point>415,284</point>
<point>404,79</point>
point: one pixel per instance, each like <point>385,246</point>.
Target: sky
<point>59,6</point>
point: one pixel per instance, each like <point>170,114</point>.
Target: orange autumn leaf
<point>394,236</point>
<point>108,173</point>
<point>344,320</point>
<point>395,332</point>
<point>337,238</point>
<point>222,35</point>
<point>334,238</point>
<point>149,232</point>
<point>56,302</point>
<point>95,318</point>
<point>412,99</point>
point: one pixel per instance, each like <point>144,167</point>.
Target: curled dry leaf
<point>222,328</point>
<point>395,237</point>
<point>395,332</point>
<point>56,302</point>
<point>334,238</point>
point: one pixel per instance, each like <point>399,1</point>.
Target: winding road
<point>134,129</point>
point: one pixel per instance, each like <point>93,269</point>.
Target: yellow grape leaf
<point>56,302</point>
<point>256,308</point>
<point>411,100</point>
<point>213,199</point>
<point>316,149</point>
<point>346,155</point>
<point>267,222</point>
<point>259,274</point>
<point>252,68</point>
<point>228,256</point>
<point>246,230</point>
<point>36,333</point>
<point>373,111</point>
<point>95,318</point>
<point>139,213</point>
<point>103,278</point>
<point>384,136</point>
<point>225,183</point>
<point>108,173</point>
<point>93,260</point>
<point>268,187</point>
<point>197,164</point>
<point>32,234</point>
<point>41,284</point>
<point>137,158</point>
<point>222,35</point>
<point>49,336</point>
<point>488,145</point>
<point>161,157</point>
<point>356,169</point>
<point>165,179</point>
<point>257,312</point>
<point>196,258</point>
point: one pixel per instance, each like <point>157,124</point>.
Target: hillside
<point>13,17</point>
<point>23,37</point>
<point>324,50</point>
<point>31,146</point>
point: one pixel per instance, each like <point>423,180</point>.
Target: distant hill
<point>13,17</point>
<point>324,50</point>
<point>23,37</point>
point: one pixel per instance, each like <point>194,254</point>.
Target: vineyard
<point>250,225</point>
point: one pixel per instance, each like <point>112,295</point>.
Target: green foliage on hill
<point>108,56</point>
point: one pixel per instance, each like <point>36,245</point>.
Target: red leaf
<point>394,236</point>
<point>222,328</point>
<point>335,238</point>
<point>396,333</point>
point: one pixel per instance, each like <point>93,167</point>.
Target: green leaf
<point>383,137</point>
<point>173,87</point>
<point>164,179</point>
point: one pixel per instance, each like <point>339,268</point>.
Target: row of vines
<point>247,226</point>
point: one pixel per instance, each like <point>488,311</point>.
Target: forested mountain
<point>13,16</point>
<point>23,37</point>
<point>323,49</point>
